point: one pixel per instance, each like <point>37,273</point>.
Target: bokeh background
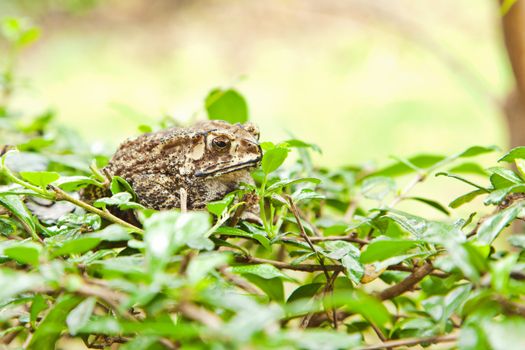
<point>362,79</point>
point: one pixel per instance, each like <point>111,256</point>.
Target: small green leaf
<point>17,207</point>
<point>74,183</point>
<point>273,159</point>
<point>378,187</point>
<point>218,207</point>
<point>381,249</point>
<point>201,265</point>
<point>236,232</point>
<point>513,154</point>
<point>466,198</point>
<point>226,105</point>
<point>121,199</point>
<point>287,182</point>
<point>39,178</point>
<point>38,305</point>
<point>49,330</point>
<point>462,179</point>
<point>79,316</point>
<point>24,253</point>
<point>432,203</point>
<point>119,184</point>
<point>500,272</point>
<point>265,271</point>
<point>306,291</point>
<point>492,226</point>
<point>77,246</point>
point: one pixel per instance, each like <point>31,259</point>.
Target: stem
<point>412,341</point>
<point>417,179</point>
<point>62,195</point>
<point>407,283</point>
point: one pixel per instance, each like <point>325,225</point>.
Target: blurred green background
<point>362,79</point>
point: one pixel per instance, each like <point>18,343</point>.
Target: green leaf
<point>475,151</point>
<point>77,246</point>
<point>306,291</point>
<point>287,182</point>
<point>506,333</point>
<point>466,198</point>
<point>17,207</point>
<point>381,249</point>
<point>432,203</point>
<point>218,207</point>
<point>467,258</point>
<point>49,330</point>
<point>167,232</point>
<point>501,177</point>
<point>39,178</point>
<point>37,306</point>
<point>14,283</point>
<point>500,272</point>
<point>273,159</point>
<point>401,168</point>
<point>24,253</point>
<point>74,183</point>
<point>468,168</point>
<point>119,184</point>
<point>111,233</point>
<point>201,265</point>
<point>236,232</point>
<point>226,105</point>
<point>79,316</point>
<point>462,179</point>
<point>359,302</point>
<point>377,187</point>
<point>520,166</point>
<point>353,268</point>
<point>492,226</point>
<point>513,154</point>
<point>273,287</point>
<point>496,196</point>
<point>265,271</point>
<point>121,199</point>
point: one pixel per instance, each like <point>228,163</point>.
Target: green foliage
<point>330,263</point>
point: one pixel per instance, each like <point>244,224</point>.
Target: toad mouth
<point>228,169</point>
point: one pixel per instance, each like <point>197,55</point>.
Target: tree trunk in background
<point>514,34</point>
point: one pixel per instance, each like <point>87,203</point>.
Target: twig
<point>511,307</point>
<point>413,341</point>
<point>286,266</point>
<point>417,179</point>
<point>380,334</point>
<point>195,313</point>
<point>348,238</point>
<point>312,226</point>
<point>406,284</point>
<point>183,200</point>
<point>62,195</point>
<point>238,281</point>
<point>306,238</point>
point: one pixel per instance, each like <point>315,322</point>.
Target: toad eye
<point>220,143</point>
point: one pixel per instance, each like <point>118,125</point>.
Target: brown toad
<point>201,163</point>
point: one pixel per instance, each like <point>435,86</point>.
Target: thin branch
<point>413,341</point>
<point>407,284</point>
<point>199,314</point>
<point>511,307</point>
<point>238,281</point>
<point>286,266</point>
<point>306,238</point>
<point>417,179</point>
<point>62,195</point>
